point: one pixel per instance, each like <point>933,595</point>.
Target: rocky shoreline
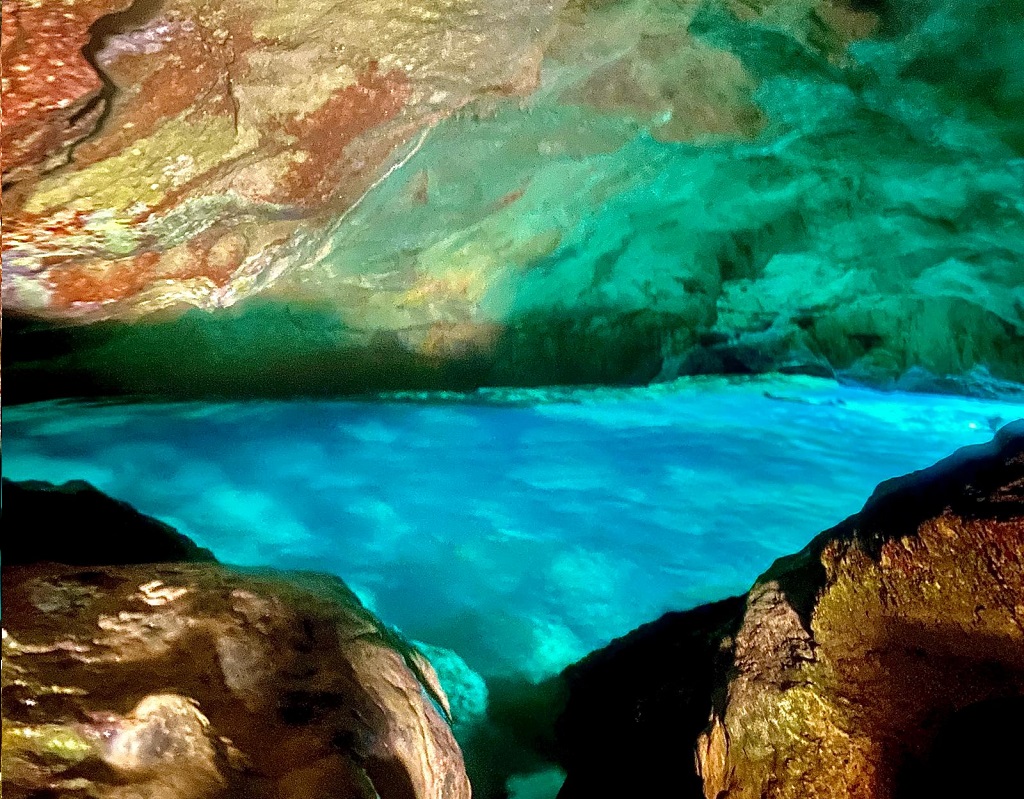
<point>846,671</point>
<point>190,679</point>
<point>858,667</point>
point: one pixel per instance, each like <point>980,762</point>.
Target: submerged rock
<point>191,680</point>
<point>882,661</point>
<point>329,198</point>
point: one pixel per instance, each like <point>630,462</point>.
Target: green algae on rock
<point>672,187</point>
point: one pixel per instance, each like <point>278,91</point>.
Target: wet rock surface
<point>339,198</point>
<point>179,680</point>
<point>877,662</point>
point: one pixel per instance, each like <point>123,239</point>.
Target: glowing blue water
<point>521,530</point>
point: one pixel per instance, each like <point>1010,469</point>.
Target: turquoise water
<point>520,529</point>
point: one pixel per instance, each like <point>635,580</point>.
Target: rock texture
<point>189,680</point>
<point>880,662</point>
<point>233,132</point>
<point>51,92</point>
<point>298,198</point>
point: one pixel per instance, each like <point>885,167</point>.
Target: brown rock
<point>189,680</point>
<point>218,117</point>
<point>50,92</point>
<point>859,667</point>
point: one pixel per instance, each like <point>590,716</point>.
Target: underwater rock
<point>465,690</point>
<point>855,668</point>
<point>270,204</point>
<point>178,680</point>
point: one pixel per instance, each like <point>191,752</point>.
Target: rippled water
<point>521,529</point>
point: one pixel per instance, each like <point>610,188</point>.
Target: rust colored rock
<point>860,667</point>
<point>189,680</point>
<point>50,91</point>
<point>223,120</point>
<point>324,135</point>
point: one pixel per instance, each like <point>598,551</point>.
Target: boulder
<point>186,680</point>
<point>77,524</point>
<point>884,661</point>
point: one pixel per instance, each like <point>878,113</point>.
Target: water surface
<point>521,529</point>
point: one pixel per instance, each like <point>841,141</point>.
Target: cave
<point>559,398</point>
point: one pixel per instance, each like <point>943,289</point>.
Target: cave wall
<point>324,199</point>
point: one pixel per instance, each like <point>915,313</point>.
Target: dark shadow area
<point>263,348</point>
<point>944,709</point>
<point>635,708</point>
<point>274,350</point>
<point>976,753</point>
<point>76,524</point>
<point>515,737</point>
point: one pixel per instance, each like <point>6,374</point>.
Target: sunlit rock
<point>868,665</point>
<point>189,680</point>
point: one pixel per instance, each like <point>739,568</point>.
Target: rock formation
<point>884,661</point>
<point>226,197</point>
<point>79,525</point>
<point>189,680</point>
